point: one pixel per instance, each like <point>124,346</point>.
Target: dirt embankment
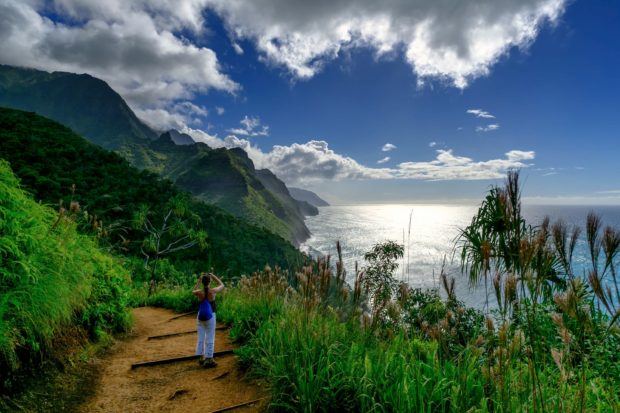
<point>175,387</point>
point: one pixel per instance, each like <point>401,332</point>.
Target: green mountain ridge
<point>82,102</point>
<point>108,187</point>
<point>228,178</point>
<point>224,177</point>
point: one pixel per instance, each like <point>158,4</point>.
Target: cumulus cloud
<point>315,161</point>
<point>251,126</point>
<point>488,128</point>
<point>448,166</point>
<point>432,144</point>
<point>133,45</point>
<point>175,115</point>
<point>388,147</point>
<point>220,110</point>
<point>199,135</point>
<point>479,113</point>
<point>441,39</point>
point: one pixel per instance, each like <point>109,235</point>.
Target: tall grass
<point>552,345</point>
<point>50,277</point>
<point>317,360</point>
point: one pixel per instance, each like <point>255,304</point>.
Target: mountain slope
<point>307,196</point>
<point>113,190</point>
<point>84,103</point>
<point>227,178</point>
<point>180,138</point>
<point>90,107</point>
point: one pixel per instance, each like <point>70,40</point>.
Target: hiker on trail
<point>206,317</point>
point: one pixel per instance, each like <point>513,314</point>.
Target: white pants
<point>206,337</point>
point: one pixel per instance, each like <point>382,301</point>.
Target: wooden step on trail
<point>176,359</point>
<point>181,315</point>
<point>236,406</point>
<point>180,333</point>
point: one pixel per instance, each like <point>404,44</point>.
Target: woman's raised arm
<point>220,287</point>
<point>196,290</point>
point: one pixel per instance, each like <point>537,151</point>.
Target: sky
<point>360,101</point>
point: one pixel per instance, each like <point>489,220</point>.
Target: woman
<point>206,329</point>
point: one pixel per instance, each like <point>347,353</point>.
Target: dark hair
<point>206,280</point>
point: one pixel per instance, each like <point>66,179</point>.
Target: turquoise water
<point>429,240</point>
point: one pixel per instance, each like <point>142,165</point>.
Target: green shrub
<point>50,276</point>
<point>174,298</point>
<point>317,360</point>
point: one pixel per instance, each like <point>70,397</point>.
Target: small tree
<point>378,277</point>
<point>166,233</point>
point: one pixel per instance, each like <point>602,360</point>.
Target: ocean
<point>429,241</point>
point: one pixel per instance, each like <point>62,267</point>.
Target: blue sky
<point>329,105</point>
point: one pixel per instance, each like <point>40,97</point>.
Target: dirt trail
<point>177,387</point>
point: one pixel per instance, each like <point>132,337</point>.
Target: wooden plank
<point>221,376</point>
<point>236,406</point>
<point>176,359</point>
<point>182,315</point>
<point>180,333</point>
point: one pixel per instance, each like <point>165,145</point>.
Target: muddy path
<point>177,387</point>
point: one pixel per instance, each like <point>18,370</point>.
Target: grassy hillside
<point>51,279</point>
<point>108,187</point>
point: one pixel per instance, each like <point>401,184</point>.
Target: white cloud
<point>220,110</point>
<point>488,128</point>
<point>432,144</point>
<point>383,160</point>
<point>175,115</point>
<point>610,192</point>
<point>191,108</point>
<point>448,166</point>
<point>520,155</point>
<point>238,49</point>
<point>441,39</point>
<point>388,147</point>
<point>315,161</point>
<point>479,113</point>
<point>132,45</point>
<point>200,135</point>
<point>161,119</point>
<point>251,126</point>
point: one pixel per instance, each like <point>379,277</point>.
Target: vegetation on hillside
<point>553,344</point>
<point>51,278</point>
<point>84,103</point>
<point>228,179</point>
<point>91,108</point>
<point>113,192</point>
